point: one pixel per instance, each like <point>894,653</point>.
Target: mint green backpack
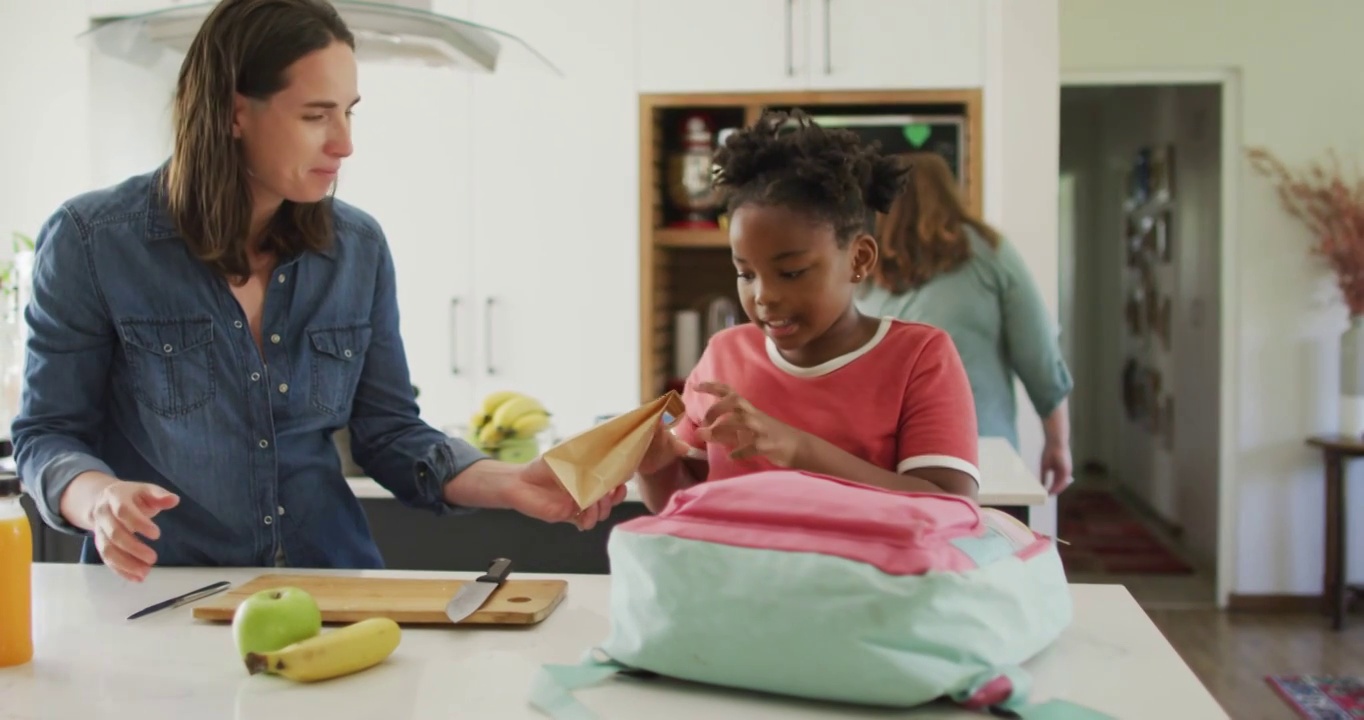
<point>809,586</point>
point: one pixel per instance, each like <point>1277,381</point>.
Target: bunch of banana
<point>507,415</point>
<point>343,651</point>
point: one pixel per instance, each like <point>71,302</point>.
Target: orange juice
<point>16,577</point>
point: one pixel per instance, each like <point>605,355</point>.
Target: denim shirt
<point>140,364</point>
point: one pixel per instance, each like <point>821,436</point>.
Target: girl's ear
<point>863,255</point>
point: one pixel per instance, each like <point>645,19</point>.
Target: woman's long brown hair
<point>246,47</point>
<point>923,234</point>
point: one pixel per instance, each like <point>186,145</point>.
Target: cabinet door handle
<point>488,336</point>
<point>828,41</point>
<point>790,59</point>
<point>454,335</point>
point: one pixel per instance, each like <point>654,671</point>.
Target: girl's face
<point>796,283</point>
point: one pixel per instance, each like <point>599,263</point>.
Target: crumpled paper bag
<point>600,459</point>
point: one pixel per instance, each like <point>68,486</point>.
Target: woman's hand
<point>122,511</point>
<point>536,492</point>
<point>748,432</point>
<point>1056,470</point>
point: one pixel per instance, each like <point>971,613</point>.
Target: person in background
<point>199,332</point>
<point>941,265</point>
<point>812,384</point>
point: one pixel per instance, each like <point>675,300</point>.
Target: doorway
<point>1141,271</point>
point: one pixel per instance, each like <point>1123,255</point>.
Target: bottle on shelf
<point>16,575</point>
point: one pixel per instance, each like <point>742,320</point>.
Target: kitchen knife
<point>472,595</point>
<point>179,600</point>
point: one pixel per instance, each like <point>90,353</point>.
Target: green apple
<point>273,619</point>
<point>518,450</point>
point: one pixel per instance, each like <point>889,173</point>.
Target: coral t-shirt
<point>901,402</point>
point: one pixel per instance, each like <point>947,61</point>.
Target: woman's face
<point>295,140</point>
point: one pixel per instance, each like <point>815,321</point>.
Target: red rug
<point>1107,536</point>
<point>1321,697</point>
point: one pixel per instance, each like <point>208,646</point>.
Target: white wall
<point>1102,129</point>
<point>44,110</point>
<point>1299,96</point>
<point>1021,128</point>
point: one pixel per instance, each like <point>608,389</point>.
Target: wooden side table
<point>1336,450</point>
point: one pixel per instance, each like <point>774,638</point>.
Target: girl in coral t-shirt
<point>812,384</point>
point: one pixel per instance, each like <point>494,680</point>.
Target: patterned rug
<point>1321,697</point>
<point>1107,536</point>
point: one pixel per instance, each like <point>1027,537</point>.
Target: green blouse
<point>992,309</point>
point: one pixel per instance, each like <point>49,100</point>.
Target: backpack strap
<point>551,692</point>
<point>1004,691</point>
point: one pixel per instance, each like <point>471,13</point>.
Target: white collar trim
<point>827,366</point>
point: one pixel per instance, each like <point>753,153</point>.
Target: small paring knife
<point>472,595</point>
<point>179,600</point>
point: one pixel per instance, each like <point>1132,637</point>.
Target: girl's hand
<point>664,449</point>
<point>733,422</point>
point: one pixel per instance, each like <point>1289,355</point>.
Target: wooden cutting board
<point>344,599</point>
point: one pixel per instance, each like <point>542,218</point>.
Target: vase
<point>1352,378</point>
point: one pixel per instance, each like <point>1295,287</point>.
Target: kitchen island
<point>92,662</point>
<point>417,540</point>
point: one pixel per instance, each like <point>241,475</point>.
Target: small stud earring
<point>857,277</point>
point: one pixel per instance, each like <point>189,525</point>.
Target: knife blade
<point>179,600</point>
<point>472,595</point>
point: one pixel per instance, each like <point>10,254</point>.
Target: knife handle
<point>497,571</point>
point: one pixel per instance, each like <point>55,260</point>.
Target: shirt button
<point>284,387</point>
<point>345,352</point>
<point>268,519</point>
<point>264,443</point>
<point>279,510</point>
<point>274,339</point>
<point>167,348</point>
<point>255,377</point>
<point>237,324</point>
<point>281,277</point>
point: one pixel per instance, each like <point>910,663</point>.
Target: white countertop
<point>91,662</point>
<point>1004,479</point>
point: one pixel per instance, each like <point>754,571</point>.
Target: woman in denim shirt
<point>199,332</point>
<point>941,266</point>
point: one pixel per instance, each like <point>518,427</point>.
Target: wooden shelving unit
<point>680,267</point>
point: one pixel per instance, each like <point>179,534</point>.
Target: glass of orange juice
<point>16,575</point>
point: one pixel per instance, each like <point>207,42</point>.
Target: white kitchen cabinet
<point>509,205</point>
<point>125,8</point>
<point>722,45</point>
<point>410,170</point>
<point>555,166</point>
<point>766,45</point>
<point>896,44</point>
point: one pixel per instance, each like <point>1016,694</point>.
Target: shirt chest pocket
<point>170,363</point>
<point>338,356</point>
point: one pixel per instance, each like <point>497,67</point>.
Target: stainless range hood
<point>405,31</point>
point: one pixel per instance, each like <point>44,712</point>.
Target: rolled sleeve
<point>1031,340</point>
<point>67,357</point>
<point>389,440</point>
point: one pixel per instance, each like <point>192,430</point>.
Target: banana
<point>494,400</point>
<point>343,651</point>
<point>508,412</point>
<point>529,425</point>
<point>490,436</point>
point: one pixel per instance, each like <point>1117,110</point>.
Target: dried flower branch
<point>1332,208</point>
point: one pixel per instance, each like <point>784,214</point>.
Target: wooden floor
<point>1233,652</point>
